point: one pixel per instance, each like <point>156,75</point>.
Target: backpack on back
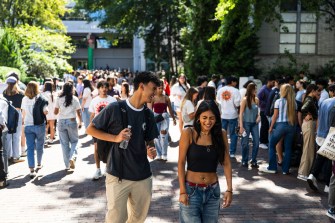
<point>13,118</point>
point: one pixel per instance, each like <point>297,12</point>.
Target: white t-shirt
<point>88,95</point>
<point>69,111</point>
<point>187,109</point>
<point>28,106</point>
<point>178,93</point>
<point>4,111</point>
<point>51,104</point>
<point>229,98</point>
<point>98,103</point>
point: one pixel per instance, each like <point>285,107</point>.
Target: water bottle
<point>124,143</point>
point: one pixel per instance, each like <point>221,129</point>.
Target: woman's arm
<point>170,110</point>
<point>242,108</point>
<point>184,143</point>
<point>274,119</point>
<point>228,195</point>
<point>79,117</point>
<point>258,119</point>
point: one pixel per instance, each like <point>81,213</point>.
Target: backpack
<point>38,114</point>
<point>12,118</point>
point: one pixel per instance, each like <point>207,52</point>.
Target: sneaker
<point>72,163</point>
<point>97,174</point>
<point>232,155</point>
<point>286,173</point>
<point>24,154</point>
<point>266,170</point>
<point>17,160</point>
<point>331,213</point>
<point>326,190</point>
<point>245,164</point>
<point>32,174</point>
<point>263,146</point>
<point>50,141</point>
<point>311,180</point>
<point>3,184</point>
<point>164,158</point>
<point>302,177</point>
<point>158,158</point>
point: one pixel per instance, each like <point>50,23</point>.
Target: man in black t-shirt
<point>135,188</point>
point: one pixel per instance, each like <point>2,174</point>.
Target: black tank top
<point>201,158</point>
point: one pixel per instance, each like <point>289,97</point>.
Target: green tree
<point>10,54</point>
<point>43,13</point>
<point>45,51</point>
<point>156,21</point>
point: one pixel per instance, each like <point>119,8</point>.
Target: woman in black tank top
<point>203,147</point>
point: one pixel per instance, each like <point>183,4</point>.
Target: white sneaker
<point>97,174</point>
<point>302,177</point>
<point>326,190</point>
<point>164,158</point>
<point>263,146</point>
<point>232,155</point>
<point>266,170</point>
<point>311,180</point>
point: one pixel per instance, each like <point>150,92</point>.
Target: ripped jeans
<point>162,142</point>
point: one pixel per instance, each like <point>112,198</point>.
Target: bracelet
<point>229,191</point>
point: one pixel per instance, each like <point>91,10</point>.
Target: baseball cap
<point>11,80</point>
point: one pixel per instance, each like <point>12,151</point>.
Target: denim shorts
<point>204,204</point>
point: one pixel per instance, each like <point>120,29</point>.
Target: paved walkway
<point>57,196</point>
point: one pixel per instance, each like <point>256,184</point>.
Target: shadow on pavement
<point>41,180</point>
<point>89,159</point>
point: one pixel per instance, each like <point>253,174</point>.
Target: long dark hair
<point>309,89</point>
<point>87,83</point>
<point>216,131</point>
<point>250,95</point>
<point>126,87</point>
<point>68,93</point>
<point>49,86</point>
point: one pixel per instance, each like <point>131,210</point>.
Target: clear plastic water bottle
<point>124,143</point>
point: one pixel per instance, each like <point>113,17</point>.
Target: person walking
<point>229,99</point>
<point>51,96</point>
<point>87,98</point>
<point>188,107</point>
<point>203,147</point>
<point>282,125</point>
<point>34,108</point>
<point>97,104</point>
<point>249,119</point>
<point>309,116</point>
<point>129,183</point>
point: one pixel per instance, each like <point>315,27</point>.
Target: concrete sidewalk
<point>58,196</point>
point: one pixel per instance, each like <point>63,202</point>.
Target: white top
<point>88,95</point>
<point>211,84</point>
<point>69,111</point>
<point>187,109</point>
<point>281,105</point>
<point>229,99</point>
<point>3,113</point>
<point>28,106</point>
<point>98,103</point>
<point>51,104</point>
<point>324,95</point>
<point>243,91</point>
<point>178,93</point>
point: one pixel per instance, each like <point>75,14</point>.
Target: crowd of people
<point>283,116</point>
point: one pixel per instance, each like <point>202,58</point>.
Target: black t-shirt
<point>135,162</point>
<point>113,92</point>
<point>15,99</point>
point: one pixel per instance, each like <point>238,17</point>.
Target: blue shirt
<point>263,97</point>
<point>324,117</point>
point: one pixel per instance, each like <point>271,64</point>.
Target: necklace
<point>205,134</point>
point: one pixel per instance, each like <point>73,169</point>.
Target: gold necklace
<point>205,134</point>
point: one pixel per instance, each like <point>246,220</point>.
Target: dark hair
<point>322,82</point>
<point>173,80</point>
<point>145,77</point>
<point>231,79</point>
<point>87,83</point>
<point>331,88</point>
<point>49,86</point>
<point>201,79</point>
<point>303,83</point>
<point>126,86</point>
<point>68,93</point>
<point>13,74</point>
<point>332,78</point>
<point>183,75</point>
<point>216,131</point>
<point>102,83</point>
<point>309,89</point>
<point>208,93</point>
<point>189,95</point>
<point>249,95</point>
<point>247,83</point>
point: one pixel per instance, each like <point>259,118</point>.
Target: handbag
<point>159,118</point>
<point>328,147</point>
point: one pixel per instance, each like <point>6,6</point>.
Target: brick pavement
<point>57,196</point>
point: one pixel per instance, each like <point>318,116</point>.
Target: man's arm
<point>99,134</point>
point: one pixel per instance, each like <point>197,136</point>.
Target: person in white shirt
<point>214,81</point>
<point>229,98</point>
<point>50,94</point>
<point>3,150</point>
<point>178,91</point>
<point>67,106</point>
<point>97,104</point>
<point>188,107</point>
<point>322,85</point>
<point>87,98</point>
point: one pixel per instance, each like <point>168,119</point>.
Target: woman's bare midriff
<point>201,177</point>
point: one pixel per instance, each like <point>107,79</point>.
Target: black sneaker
<point>3,184</point>
<point>331,213</point>
<point>254,165</point>
<point>245,164</point>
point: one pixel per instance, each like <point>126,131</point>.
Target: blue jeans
<point>204,205</point>
<point>35,136</point>
<point>86,117</point>
<point>162,142</point>
<point>68,137</point>
<point>13,141</point>
<point>250,127</point>
<point>4,151</point>
<point>282,129</point>
<point>231,124</point>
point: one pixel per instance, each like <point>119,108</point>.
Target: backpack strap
<point>124,120</point>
